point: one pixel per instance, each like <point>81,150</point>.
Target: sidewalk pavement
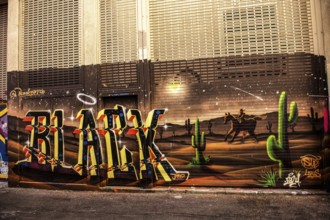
<point>209,190</point>
<point>215,190</point>
<point>164,203</point>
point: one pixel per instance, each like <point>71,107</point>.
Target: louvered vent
<point>190,29</point>
<point>51,41</point>
<point>3,50</point>
<point>215,70</point>
<point>250,30</point>
<point>118,31</point>
<point>184,29</point>
<point>53,77</point>
<point>118,75</point>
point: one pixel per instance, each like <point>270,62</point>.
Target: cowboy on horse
<point>239,124</point>
<point>241,116</point>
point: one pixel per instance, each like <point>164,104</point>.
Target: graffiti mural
<point>3,141</point>
<point>118,163</point>
<point>117,144</point>
<point>233,132</point>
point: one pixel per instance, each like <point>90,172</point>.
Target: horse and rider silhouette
<point>239,124</point>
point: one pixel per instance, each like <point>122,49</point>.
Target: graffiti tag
<point>311,164</point>
<point>293,180</point>
<point>18,92</point>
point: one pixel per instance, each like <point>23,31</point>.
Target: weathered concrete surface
<point>23,203</point>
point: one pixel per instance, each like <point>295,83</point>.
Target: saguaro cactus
<point>278,150</point>
<point>198,142</point>
<point>269,126</point>
<point>209,127</point>
<point>188,126</point>
<point>161,132</point>
<point>313,118</point>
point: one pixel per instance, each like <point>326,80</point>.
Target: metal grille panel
<point>118,31</point>
<point>43,78</point>
<point>198,29</point>
<point>119,75</point>
<point>3,50</point>
<point>50,34</point>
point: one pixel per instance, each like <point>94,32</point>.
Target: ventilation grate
<point>216,70</point>
<point>3,51</point>
<point>118,31</point>
<point>118,75</point>
<point>50,34</point>
<point>192,29</point>
<point>45,78</point>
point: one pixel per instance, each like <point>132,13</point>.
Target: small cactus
<point>161,131</point>
<point>209,127</point>
<point>269,127</point>
<point>292,126</point>
<point>313,118</point>
<point>199,143</point>
<point>188,126</point>
<point>278,150</point>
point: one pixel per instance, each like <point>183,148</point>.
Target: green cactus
<point>269,127</point>
<point>209,127</point>
<point>198,142</point>
<point>279,151</point>
<point>188,126</point>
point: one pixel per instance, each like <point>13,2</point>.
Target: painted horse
<point>248,125</point>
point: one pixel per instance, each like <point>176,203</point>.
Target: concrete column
<point>13,42</point>
<point>142,25</point>
<point>90,38</point>
<point>317,22</point>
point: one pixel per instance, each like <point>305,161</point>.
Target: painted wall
<point>155,132</point>
<point>3,142</point>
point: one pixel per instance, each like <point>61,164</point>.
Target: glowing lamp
<point>175,87</point>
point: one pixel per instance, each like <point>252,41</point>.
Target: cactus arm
<point>202,144</point>
<point>193,141</point>
<point>293,113</point>
<point>202,139</point>
<point>273,149</point>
